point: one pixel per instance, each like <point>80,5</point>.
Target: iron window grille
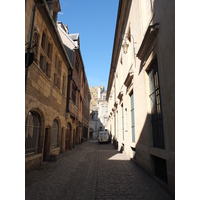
<point>156,110</point>
<point>32,133</point>
<point>54,134</point>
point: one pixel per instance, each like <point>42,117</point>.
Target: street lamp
<point>125,46</point>
<point>125,37</point>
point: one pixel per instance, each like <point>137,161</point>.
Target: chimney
<point>66,29</point>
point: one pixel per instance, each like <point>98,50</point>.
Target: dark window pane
<point>156,111</point>
<point>32,133</point>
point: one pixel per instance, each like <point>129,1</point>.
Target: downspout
<point>68,89</point>
<point>29,46</point>
<point>30,42</point>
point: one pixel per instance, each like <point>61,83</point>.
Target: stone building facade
<point>98,111</point>
<point>141,86</point>
<point>86,108</point>
<point>49,85</point>
<point>77,108</point>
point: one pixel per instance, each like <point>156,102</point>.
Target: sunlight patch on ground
<point>119,156</point>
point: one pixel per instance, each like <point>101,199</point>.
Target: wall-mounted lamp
<point>125,45</point>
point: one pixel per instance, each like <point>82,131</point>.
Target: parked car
<point>103,137</point>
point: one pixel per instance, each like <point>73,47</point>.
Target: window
<point>56,60</point>
<point>54,134</point>
<point>35,44</point>
<point>49,51</point>
<point>160,168</point>
<point>46,56</point>
<point>45,66</point>
<point>57,73</point>
<point>132,117</point>
<point>156,112</point>
<point>74,93</point>
<point>63,85</point>
<point>42,63</point>
<point>80,107</point>
<point>59,67</point>
<point>122,122</point>
<point>32,133</point>
<point>43,44</point>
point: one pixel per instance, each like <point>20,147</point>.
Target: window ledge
<point>120,95</point>
<point>128,80</point>
<point>148,38</point>
<point>161,153</point>
<point>32,157</point>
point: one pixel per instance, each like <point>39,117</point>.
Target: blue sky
<point>95,21</point>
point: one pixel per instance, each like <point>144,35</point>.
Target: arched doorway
<point>68,136</point>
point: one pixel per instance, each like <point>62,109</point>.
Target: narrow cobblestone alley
<point>91,171</point>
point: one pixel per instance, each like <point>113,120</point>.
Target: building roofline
<point>67,35</point>
<point>54,26</point>
<point>122,15</point>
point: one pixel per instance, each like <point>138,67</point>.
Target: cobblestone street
<point>91,171</point>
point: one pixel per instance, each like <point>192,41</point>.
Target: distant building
<point>98,111</point>
<point>141,86</point>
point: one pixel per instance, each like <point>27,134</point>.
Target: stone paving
<point>91,171</point>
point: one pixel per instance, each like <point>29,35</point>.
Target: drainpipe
<point>30,42</point>
<point>29,46</point>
